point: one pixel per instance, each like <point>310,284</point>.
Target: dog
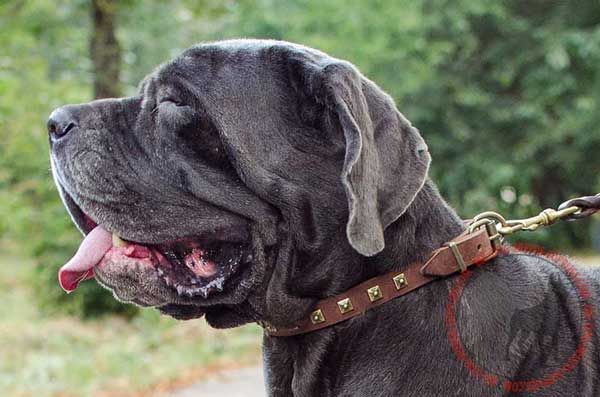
<point>248,179</point>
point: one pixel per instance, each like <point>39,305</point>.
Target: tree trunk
<point>104,49</point>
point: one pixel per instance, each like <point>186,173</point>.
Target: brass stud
<point>345,305</point>
<point>317,317</point>
<point>374,293</point>
<point>400,281</point>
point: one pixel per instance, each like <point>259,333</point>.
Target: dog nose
<point>60,123</point>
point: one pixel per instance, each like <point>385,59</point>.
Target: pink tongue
<point>81,267</point>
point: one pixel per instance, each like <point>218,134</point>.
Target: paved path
<point>246,382</point>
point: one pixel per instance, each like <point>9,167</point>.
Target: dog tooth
<point>118,241</point>
<point>180,290</point>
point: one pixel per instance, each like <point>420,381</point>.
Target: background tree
<point>506,93</point>
<point>105,51</point>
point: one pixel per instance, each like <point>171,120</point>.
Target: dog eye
<point>173,107</point>
<point>170,101</point>
<point>167,103</point>
<point>174,115</point>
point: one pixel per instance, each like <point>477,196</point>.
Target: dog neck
<point>427,224</point>
<point>295,365</point>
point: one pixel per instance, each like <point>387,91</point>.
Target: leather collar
<point>457,255</point>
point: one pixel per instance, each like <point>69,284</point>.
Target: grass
<point>64,356</point>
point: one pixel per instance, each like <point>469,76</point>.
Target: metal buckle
<point>495,237</point>
<point>490,220</point>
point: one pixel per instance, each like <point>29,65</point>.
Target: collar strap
<point>457,255</point>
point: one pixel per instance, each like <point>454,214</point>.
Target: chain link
<point>573,209</point>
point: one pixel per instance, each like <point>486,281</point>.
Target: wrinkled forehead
<point>244,89</point>
<point>229,70</point>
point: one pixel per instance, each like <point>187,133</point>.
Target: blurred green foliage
<point>506,93</point>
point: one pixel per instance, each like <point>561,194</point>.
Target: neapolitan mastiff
<point>249,179</point>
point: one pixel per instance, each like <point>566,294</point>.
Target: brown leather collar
<point>457,255</point>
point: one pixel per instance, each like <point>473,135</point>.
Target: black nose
<point>60,123</point>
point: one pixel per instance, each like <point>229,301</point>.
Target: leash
<point>478,244</point>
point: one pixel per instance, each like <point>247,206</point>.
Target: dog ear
<point>386,160</point>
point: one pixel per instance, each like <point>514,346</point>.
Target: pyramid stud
<point>345,305</point>
<point>400,281</point>
<point>374,293</point>
<point>317,317</point>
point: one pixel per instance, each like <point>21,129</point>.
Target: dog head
<point>226,181</point>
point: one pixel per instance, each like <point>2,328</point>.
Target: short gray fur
<point>311,161</point>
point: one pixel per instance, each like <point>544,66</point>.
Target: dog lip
<point>85,223</point>
<point>210,276</point>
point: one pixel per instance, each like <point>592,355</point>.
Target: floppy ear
<point>386,160</point>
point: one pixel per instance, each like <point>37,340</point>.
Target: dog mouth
<point>193,266</point>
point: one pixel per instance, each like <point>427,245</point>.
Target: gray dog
<point>249,179</point>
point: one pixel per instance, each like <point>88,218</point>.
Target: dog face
<point>237,166</point>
